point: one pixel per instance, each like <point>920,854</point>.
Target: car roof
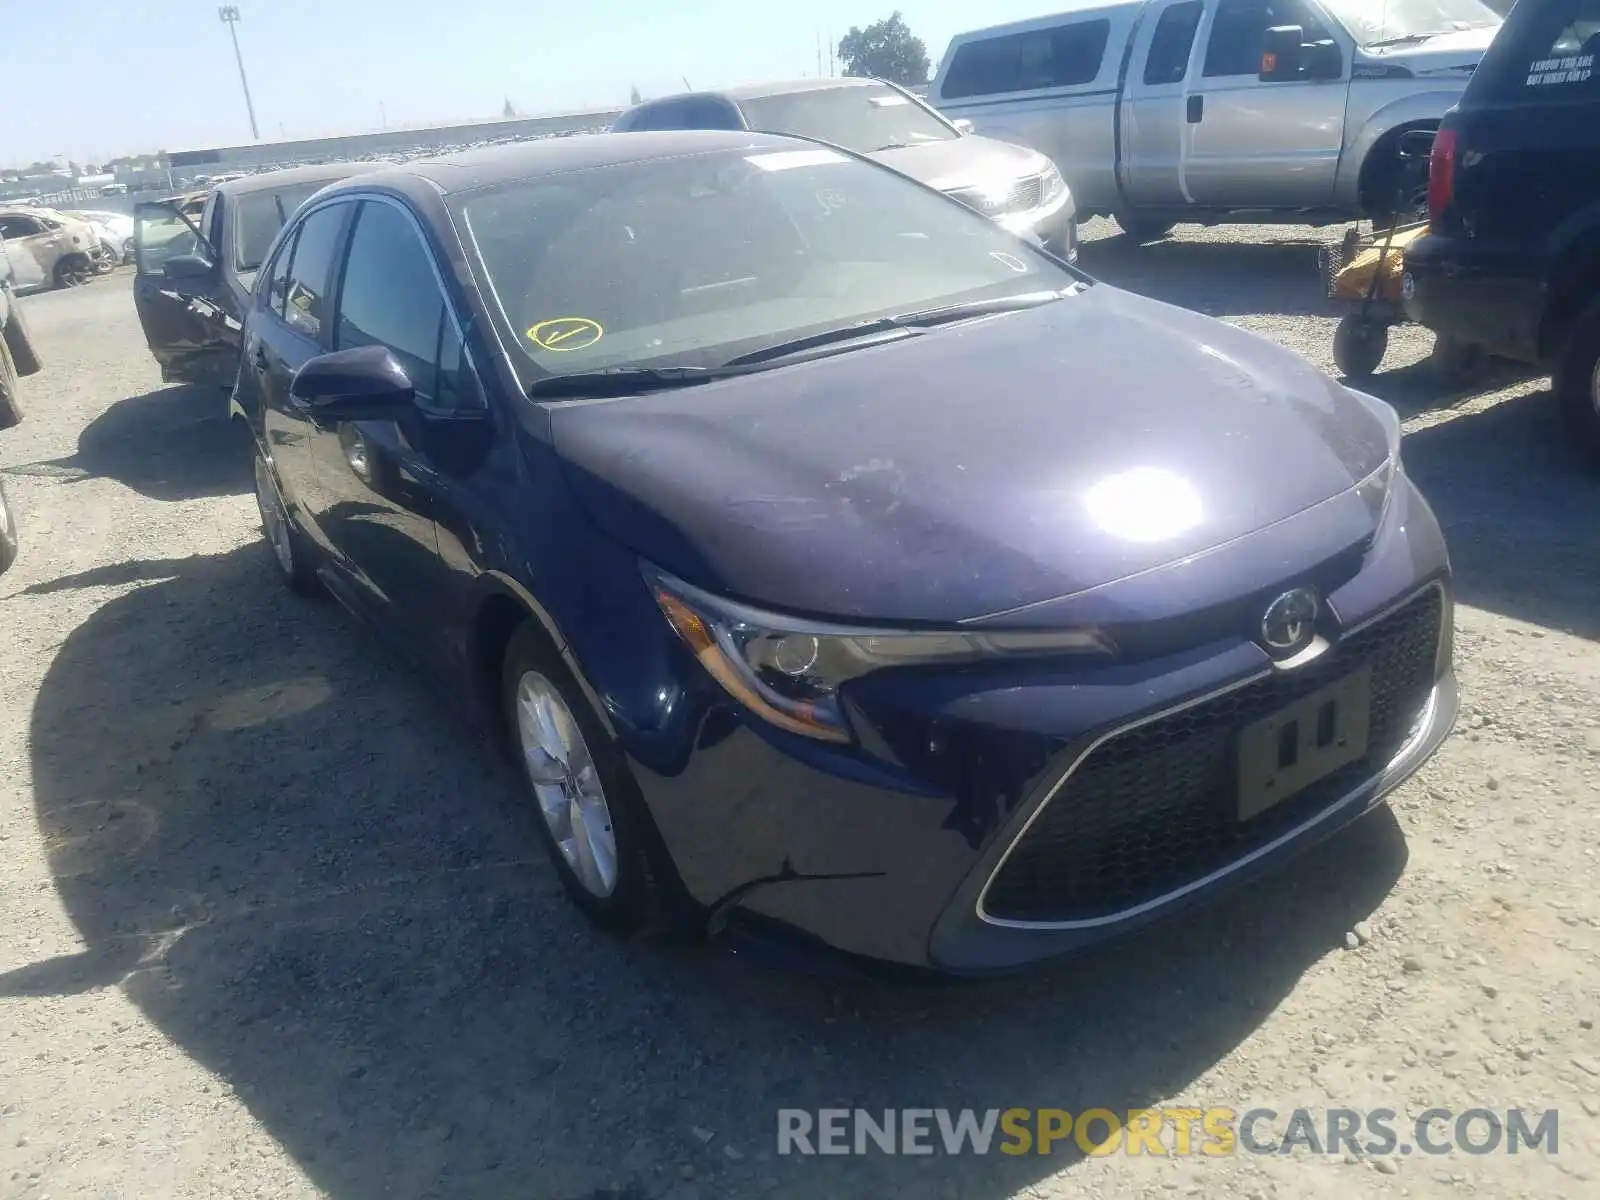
<point>488,166</point>
<point>290,176</point>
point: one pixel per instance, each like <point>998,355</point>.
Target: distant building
<point>186,164</point>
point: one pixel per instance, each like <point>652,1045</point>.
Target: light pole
<point>230,17</point>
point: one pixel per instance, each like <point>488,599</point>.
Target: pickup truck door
<point>1154,133</point>
<point>1259,145</point>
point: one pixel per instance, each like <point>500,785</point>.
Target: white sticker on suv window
<point>1576,68</point>
<point>786,160</point>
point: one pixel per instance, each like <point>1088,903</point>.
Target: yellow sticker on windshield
<point>560,334</point>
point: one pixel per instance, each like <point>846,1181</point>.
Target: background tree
<point>633,95</point>
<point>887,50</point>
<point>508,111</point>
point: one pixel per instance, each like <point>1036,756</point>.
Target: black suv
<point>1512,259</point>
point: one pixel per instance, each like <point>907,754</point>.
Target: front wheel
<point>288,546</point>
<point>8,533</point>
<point>592,818</point>
<point>74,270</point>
<point>1359,345</point>
<point>1577,382</point>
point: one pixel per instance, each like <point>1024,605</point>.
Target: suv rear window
<point>1062,56</point>
<point>1546,51</point>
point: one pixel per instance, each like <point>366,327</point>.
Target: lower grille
<point>1153,809</point>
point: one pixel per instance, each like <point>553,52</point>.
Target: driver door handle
<point>1197,109</point>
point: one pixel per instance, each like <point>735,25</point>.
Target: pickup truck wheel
<point>1577,381</point>
<point>74,270</point>
<point>1359,346</point>
<point>1143,229</point>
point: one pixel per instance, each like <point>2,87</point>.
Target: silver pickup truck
<point>1160,111</point>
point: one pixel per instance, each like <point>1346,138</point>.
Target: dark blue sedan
<point>838,564</point>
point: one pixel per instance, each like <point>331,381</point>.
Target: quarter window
<point>1171,42</point>
<point>311,269</point>
<point>1239,27</point>
<point>1061,56</point>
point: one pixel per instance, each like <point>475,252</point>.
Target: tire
<point>10,409</point>
<point>543,707</point>
<point>8,533</point>
<point>1358,346</point>
<point>290,552</point>
<point>23,356</point>
<point>127,250</point>
<point>1577,382</point>
<point>74,270</point>
<point>1140,230</point>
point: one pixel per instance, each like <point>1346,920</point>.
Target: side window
<point>16,226</point>
<point>1170,43</point>
<point>278,277</point>
<point>1062,56</point>
<point>1565,63</point>
<point>667,115</point>
<point>1234,47</point>
<point>391,297</point>
<point>311,269</point>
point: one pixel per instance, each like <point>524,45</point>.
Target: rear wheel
<point>592,819</point>
<point>10,410</point>
<point>1143,229</point>
<point>1577,381</point>
<point>1359,345</point>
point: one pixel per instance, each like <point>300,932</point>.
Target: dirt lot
<point>273,924</point>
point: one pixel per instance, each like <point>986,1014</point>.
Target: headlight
<point>1377,487</point>
<point>1051,183</point>
<point>788,671</point>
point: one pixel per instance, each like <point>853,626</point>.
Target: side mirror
<point>1281,48</point>
<point>188,268</point>
<point>362,383</point>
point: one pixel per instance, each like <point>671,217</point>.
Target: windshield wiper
<point>899,325</point>
<point>627,381</point>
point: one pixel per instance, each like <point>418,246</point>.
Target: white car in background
<point>114,229</point>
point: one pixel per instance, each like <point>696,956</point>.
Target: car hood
<point>1450,55</point>
<point>973,469</point>
<point>963,162</point>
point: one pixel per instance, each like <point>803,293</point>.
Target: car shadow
<point>173,443</point>
<point>1517,503</point>
<point>326,890</point>
<point>1220,279</point>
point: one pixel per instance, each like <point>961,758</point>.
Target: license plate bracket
<point>1290,749</point>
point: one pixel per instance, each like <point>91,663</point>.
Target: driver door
<point>185,318</point>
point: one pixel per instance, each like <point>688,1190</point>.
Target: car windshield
<point>257,217</point>
<point>861,117</point>
<point>695,259</point>
<point>1373,21</point>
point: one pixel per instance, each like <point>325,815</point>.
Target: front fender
<point>1414,108</point>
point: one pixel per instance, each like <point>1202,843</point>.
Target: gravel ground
<point>273,923</point>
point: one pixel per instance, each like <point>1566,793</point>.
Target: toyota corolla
<point>837,563</point>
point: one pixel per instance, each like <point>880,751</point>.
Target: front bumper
<point>891,852</point>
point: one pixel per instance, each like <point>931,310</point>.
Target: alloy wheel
<point>274,520</point>
<point>572,800</point>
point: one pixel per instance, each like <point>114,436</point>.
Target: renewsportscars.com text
<point>1213,1132</point>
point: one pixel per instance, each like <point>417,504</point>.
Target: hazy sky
<point>94,78</point>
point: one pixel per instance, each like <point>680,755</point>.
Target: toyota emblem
<point>1290,621</point>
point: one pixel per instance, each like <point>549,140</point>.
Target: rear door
<point>185,320</point>
<point>1255,144</point>
<point>1154,132</point>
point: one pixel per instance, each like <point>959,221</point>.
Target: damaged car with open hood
<point>854,573</point>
